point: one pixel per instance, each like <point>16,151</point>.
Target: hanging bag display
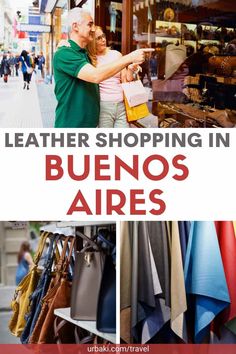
<point>41,290</point>
<point>89,263</point>
<point>58,296</point>
<point>23,291</point>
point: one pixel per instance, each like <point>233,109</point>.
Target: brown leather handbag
<point>58,296</point>
<point>89,264</point>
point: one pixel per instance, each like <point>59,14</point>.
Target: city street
<point>34,108</point>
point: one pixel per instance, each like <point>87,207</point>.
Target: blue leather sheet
<point>204,276</point>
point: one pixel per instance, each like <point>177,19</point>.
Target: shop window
<point>109,17</point>
<point>188,75</point>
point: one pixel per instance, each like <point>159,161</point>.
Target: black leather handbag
<point>106,307</point>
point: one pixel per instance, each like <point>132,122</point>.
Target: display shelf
<point>55,228</point>
<point>190,42</point>
<point>84,223</point>
<point>168,24</point>
<point>162,28</point>
<point>166,35</point>
<point>210,41</point>
<point>69,224</point>
<point>68,228</point>
<point>168,39</point>
<point>87,325</point>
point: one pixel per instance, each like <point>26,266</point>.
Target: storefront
<point>6,34</point>
<point>55,14</point>
<point>190,77</point>
<point>191,74</point>
<point>12,234</point>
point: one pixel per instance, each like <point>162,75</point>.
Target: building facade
<point>12,234</point>
<point>6,26</point>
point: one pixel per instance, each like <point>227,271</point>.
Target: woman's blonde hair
<point>91,48</point>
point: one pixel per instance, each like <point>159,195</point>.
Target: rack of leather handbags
<point>73,271</point>
<point>178,282</point>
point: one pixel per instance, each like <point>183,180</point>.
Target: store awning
<point>47,5</point>
<point>26,27</point>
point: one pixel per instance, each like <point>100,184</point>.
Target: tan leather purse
<point>89,264</point>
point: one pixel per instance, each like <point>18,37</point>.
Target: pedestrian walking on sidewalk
<point>5,68</point>
<point>17,64</point>
<point>25,262</point>
<point>26,68</point>
<point>41,65</point>
<point>76,79</point>
<point>12,64</point>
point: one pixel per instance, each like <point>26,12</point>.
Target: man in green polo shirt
<point>76,80</point>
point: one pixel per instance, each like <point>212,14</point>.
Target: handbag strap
<point>61,260</point>
<point>90,243</point>
<point>69,257</point>
<point>101,237</point>
<point>52,252</point>
<point>64,261</point>
<point>110,246</point>
<point>27,66</point>
<point>42,242</point>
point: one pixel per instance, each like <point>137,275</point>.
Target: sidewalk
<point>6,295</point>
<point>32,108</point>
<point>47,103</point>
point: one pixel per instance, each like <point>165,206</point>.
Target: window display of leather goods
<point>69,294</point>
<point>191,39</point>
<point>178,282</point>
<point>181,115</point>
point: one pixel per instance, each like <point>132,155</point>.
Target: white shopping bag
<point>135,93</point>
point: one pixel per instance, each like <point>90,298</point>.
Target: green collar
<point>76,47</point>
